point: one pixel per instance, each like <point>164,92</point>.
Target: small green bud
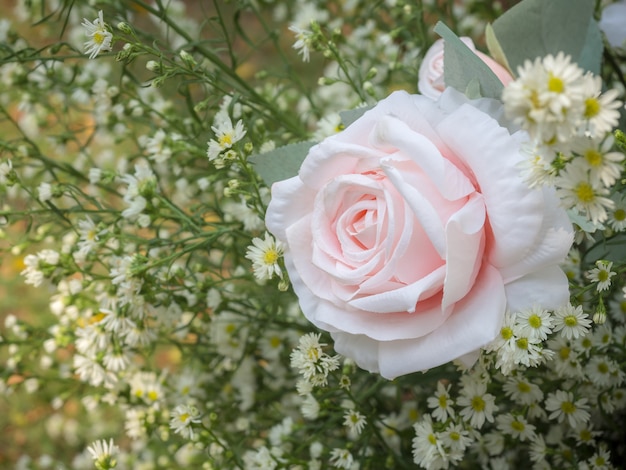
<point>124,27</point>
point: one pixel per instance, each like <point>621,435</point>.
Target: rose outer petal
<point>514,210</point>
<point>475,321</point>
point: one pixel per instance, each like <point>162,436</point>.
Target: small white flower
<point>303,42</point>
<point>601,110</point>
<point>562,405</point>
<point>602,274</point>
<point>225,137</point>
<point>44,190</point>
<point>182,419</point>
<point>515,426</point>
<point>479,405</point>
<point>354,421</point>
<point>264,254</point>
<point>535,323</point>
<point>99,37</point>
<point>571,321</point>
<point>104,454</point>
<point>578,191</point>
<point>441,402</point>
<point>341,458</point>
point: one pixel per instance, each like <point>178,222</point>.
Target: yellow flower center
<point>564,353</point>
<point>443,401</point>
<point>619,215</point>
<point>570,321</point>
<point>270,256</point>
<point>226,140</point>
<point>535,321</point>
<point>432,439</point>
<point>592,108</point>
<point>555,84</point>
<point>584,192</point>
<point>523,387</point>
<point>522,343</point>
<point>594,158</point>
<point>517,426</point>
<point>478,404</point>
<point>152,395</point>
<point>184,417</point>
<point>98,37</point>
<point>506,333</point>
<point>568,407</point>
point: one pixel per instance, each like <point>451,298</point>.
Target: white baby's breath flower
<point>99,36</point>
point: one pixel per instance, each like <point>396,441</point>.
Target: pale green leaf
<point>536,28</point>
<point>461,66</point>
<point>281,163</point>
<point>351,115</point>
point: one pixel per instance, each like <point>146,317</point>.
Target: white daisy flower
<point>304,40</point>
<point>602,274</point>
<point>99,37</point>
<point>578,191</point>
<point>479,405</point>
<point>104,454</point>
<point>441,403</point>
<point>354,421</point>
<point>515,426</point>
<point>601,110</point>
<point>264,254</point>
<point>534,323</point>
<point>571,321</point>
<point>562,405</point>
<point>182,419</point>
<point>226,135</point>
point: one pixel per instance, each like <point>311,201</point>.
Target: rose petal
<point>515,211</point>
<point>465,241</point>
<point>291,200</point>
<point>475,321</point>
<point>552,244</point>
<point>547,288</point>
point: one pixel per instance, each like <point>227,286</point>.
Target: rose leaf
<point>281,163</point>
<point>461,66</point>
<point>536,28</point>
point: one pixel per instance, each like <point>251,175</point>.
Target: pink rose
<point>410,233</point>
<point>430,82</point>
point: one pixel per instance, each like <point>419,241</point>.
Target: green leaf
<point>351,115</point>
<point>461,66</point>
<point>281,163</point>
<point>536,28</point>
<point>495,49</point>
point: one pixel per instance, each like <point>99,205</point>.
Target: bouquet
<point>305,235</point>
